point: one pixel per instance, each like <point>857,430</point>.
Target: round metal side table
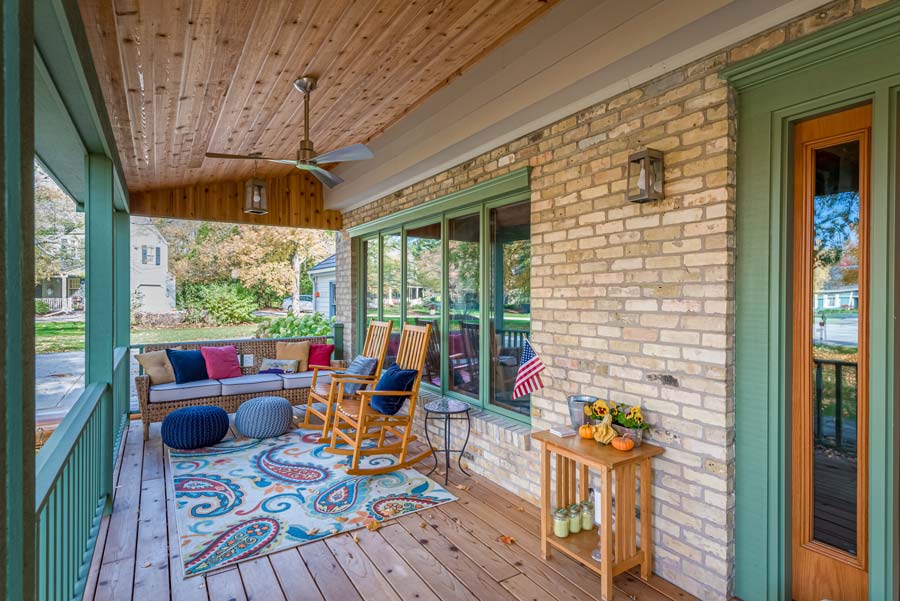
<point>447,410</point>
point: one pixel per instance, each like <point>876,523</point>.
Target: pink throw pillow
<point>221,362</point>
<point>320,355</point>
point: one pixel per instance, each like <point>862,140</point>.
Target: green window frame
<point>507,189</point>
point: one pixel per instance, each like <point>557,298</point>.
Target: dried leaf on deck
<point>463,486</point>
<point>372,525</point>
<point>506,540</point>
<point>355,539</point>
<point>423,525</point>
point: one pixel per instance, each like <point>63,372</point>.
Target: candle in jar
<point>574,518</point>
<point>561,523</point>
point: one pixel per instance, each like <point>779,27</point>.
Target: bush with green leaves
<point>293,326</point>
<point>228,304</point>
<point>41,307</point>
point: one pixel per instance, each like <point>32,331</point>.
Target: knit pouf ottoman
<point>264,417</point>
<point>195,427</point>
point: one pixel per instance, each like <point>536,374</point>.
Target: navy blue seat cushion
<point>195,427</point>
<point>393,378</point>
<point>360,366</point>
<point>189,366</point>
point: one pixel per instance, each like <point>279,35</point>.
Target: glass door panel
<point>370,251</point>
<point>829,444</point>
<point>464,250</point>
<point>510,301</point>
<point>423,291</point>
<point>392,292</point>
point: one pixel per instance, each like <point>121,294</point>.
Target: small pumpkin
<point>586,431</point>
<point>622,444</point>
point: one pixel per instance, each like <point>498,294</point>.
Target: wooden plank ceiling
<point>183,77</point>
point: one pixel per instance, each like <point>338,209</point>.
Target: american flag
<point>528,378</point>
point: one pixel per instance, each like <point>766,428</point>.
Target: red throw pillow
<point>221,362</point>
<point>320,355</point>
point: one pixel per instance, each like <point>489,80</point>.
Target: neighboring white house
<point>152,286</point>
<point>322,276</point>
<point>846,297</point>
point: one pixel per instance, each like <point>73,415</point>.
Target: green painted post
<point>122,308</point>
<point>338,333</point>
<point>17,548</point>
<point>100,297</point>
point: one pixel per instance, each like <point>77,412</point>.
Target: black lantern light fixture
<point>645,176</point>
<point>255,201</point>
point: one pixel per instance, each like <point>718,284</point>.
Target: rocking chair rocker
<point>356,421</point>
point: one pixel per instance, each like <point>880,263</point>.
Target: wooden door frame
<point>805,144</point>
<point>834,69</point>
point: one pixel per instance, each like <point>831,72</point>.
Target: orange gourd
<point>586,431</point>
<point>622,444</point>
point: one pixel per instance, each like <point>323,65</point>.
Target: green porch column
<point>17,551</point>
<point>122,312</point>
<point>100,299</point>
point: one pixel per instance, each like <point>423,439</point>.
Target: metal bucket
<point>576,409</point>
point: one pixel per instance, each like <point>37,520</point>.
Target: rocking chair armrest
<point>349,380</point>
<point>315,369</point>
<point>385,392</point>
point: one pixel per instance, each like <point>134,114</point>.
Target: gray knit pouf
<point>264,417</point>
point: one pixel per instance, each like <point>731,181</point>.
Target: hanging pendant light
<point>255,200</point>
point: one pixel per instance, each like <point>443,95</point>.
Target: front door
<point>829,433</point>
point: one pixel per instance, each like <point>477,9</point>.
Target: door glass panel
<point>423,291</point>
<point>391,292</point>
<point>836,336</point>
<point>510,300</point>
<point>371,253</point>
<point>463,244</point>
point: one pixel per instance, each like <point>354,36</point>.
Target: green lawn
<point>60,337</point>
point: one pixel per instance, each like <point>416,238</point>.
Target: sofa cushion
<point>251,383</point>
<point>189,366</point>
<point>221,361</point>
<point>197,389</point>
<point>360,366</point>
<point>278,366</point>
<point>156,365</point>
<point>320,355</point>
<point>393,379</point>
<point>303,379</point>
<point>294,351</point>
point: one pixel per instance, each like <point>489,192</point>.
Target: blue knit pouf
<point>195,427</point>
<point>264,417</point>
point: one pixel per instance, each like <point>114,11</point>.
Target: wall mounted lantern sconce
<point>645,176</point>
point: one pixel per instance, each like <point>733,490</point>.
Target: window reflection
<point>423,291</point>
<point>464,243</point>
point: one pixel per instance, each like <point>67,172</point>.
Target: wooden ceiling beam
<point>295,200</point>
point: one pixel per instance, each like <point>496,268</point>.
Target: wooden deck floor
<point>448,553</point>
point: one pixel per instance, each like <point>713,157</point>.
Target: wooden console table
<point>619,551</point>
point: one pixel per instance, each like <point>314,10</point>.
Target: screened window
<point>467,272</point>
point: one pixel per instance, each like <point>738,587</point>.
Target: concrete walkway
<point>59,381</point>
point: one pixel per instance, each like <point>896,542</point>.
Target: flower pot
<point>576,409</point>
<point>635,434</point>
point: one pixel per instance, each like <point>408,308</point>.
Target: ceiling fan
<point>306,156</point>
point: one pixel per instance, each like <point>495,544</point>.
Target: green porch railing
<point>71,471</point>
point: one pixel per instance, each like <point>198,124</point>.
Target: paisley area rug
<point>246,497</point>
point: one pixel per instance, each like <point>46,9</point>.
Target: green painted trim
<point>17,544</point>
<point>768,103</point>
<point>874,27</point>
<point>514,182</point>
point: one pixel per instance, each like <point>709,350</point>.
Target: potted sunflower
<point>629,422</point>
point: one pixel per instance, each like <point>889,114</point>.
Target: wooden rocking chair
<point>356,413</point>
<point>377,337</point>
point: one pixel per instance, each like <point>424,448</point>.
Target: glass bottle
<point>574,518</point>
<point>587,514</point>
<point>561,523</point>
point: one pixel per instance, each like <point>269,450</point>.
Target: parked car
<point>306,305</point>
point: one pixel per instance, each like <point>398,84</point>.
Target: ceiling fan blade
<point>326,177</point>
<point>354,152</point>
<point>219,155</point>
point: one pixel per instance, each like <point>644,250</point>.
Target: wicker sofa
<point>158,401</point>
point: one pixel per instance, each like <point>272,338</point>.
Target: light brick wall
<point>632,302</point>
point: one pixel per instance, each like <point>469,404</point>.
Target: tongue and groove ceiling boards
<point>184,77</point>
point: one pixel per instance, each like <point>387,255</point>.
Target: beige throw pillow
<point>157,366</point>
<point>294,351</point>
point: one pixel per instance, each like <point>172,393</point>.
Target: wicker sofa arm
<point>142,387</point>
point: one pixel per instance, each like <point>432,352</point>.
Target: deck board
<point>451,552</point>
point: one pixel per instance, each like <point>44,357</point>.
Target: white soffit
<point>580,53</point>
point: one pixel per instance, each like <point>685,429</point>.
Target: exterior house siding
<point>631,302</point>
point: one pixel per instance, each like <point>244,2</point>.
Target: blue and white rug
<point>243,498</point>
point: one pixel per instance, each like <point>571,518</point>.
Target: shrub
<point>293,326</point>
<point>228,304</point>
<point>41,307</point>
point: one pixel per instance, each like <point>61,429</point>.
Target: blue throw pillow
<point>393,378</point>
<point>360,366</point>
<point>189,366</point>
